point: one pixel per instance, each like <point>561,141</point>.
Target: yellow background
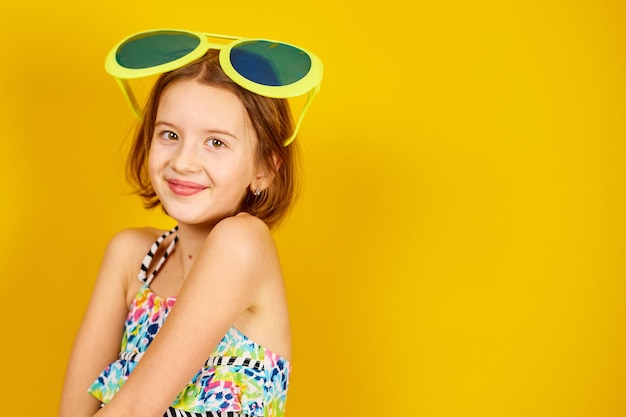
<point>459,246</point>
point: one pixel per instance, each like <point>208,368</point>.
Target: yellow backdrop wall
<point>459,246</point>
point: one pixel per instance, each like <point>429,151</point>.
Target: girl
<point>214,154</point>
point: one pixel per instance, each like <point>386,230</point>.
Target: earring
<point>257,192</point>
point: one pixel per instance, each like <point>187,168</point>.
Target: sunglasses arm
<point>130,97</point>
<point>308,102</point>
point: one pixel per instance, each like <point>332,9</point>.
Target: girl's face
<point>201,160</point>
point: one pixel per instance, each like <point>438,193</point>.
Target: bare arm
<point>98,340</point>
<point>222,284</point>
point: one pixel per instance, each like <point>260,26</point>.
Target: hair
<point>271,120</point>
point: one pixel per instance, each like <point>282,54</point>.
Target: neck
<point>191,238</point>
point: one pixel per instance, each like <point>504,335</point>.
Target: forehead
<point>193,104</point>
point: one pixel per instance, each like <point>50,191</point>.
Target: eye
<point>215,143</point>
<point>168,135</point>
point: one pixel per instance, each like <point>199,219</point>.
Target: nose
<point>185,160</point>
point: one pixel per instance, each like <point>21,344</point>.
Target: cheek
<point>153,164</point>
<point>246,171</point>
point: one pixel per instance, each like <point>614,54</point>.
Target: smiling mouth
<point>185,188</point>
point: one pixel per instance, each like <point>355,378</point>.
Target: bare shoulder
<point>126,250</point>
<point>254,264</point>
<point>131,240</point>
<point>246,248</point>
<point>244,233</point>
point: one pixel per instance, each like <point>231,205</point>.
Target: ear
<point>264,176</point>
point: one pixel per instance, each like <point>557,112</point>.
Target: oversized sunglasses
<point>265,67</point>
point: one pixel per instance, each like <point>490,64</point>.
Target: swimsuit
<point>240,378</point>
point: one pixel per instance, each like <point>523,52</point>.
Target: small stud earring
<point>257,192</point>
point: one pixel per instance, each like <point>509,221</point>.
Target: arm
<point>222,284</point>
<point>98,339</point>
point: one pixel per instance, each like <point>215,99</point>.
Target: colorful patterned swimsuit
<point>240,378</point>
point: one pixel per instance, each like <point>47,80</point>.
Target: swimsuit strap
<point>148,258</point>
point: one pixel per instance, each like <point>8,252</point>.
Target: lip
<point>185,188</point>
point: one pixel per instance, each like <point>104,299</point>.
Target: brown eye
<point>168,135</point>
<point>216,143</point>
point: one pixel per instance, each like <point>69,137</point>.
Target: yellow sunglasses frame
<point>309,84</point>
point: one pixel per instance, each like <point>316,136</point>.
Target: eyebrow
<point>209,130</point>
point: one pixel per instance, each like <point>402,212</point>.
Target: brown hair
<point>271,120</point>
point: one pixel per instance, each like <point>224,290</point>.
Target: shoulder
<point>134,239</point>
<point>244,238</point>
<point>127,248</point>
<point>243,230</point>
<point>123,258</point>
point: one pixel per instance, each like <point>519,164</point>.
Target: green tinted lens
<point>152,49</point>
<point>270,63</point>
